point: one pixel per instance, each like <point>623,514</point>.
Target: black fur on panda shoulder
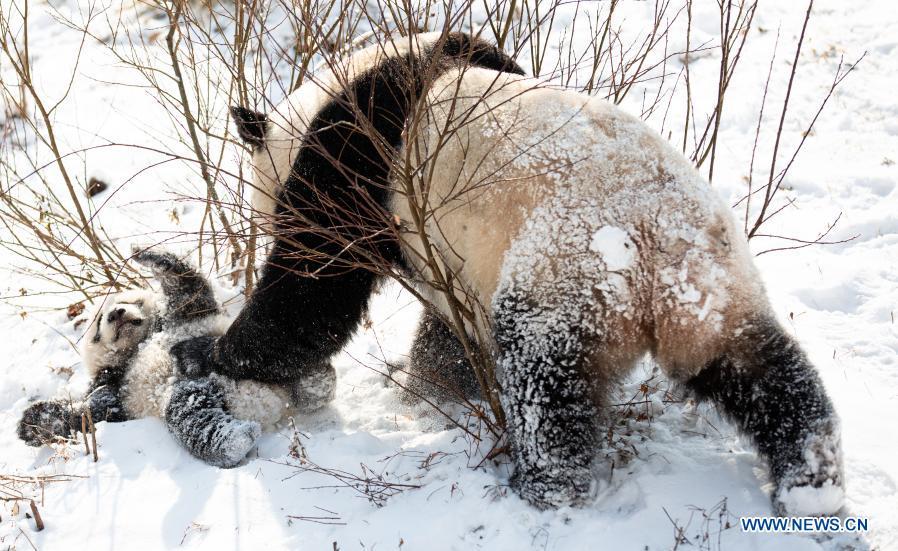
<point>312,295</point>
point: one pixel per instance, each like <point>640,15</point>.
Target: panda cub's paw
<point>551,488</point>
<point>159,262</point>
<point>45,421</point>
<point>815,486</point>
<point>233,441</point>
<point>193,358</point>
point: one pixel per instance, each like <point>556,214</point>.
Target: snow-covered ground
<point>679,470</point>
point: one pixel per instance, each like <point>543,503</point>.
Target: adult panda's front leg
<point>331,213</point>
<point>548,401</point>
<point>767,385</point>
<point>290,327</point>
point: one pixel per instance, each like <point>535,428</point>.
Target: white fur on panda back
<point>579,203</point>
<point>148,381</point>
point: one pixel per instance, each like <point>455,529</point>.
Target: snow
<point>615,247</point>
<point>674,462</point>
<point>807,500</point>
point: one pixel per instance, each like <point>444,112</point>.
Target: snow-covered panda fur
<point>589,240</point>
<point>126,351</point>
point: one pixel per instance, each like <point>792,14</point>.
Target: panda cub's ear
<point>251,125</point>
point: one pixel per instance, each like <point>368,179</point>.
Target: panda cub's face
<point>122,322</point>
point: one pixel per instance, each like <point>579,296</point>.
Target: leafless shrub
<point>197,58</point>
<point>375,486</point>
<point>774,178</point>
<point>52,229</point>
<point>706,536</point>
<point>16,490</point>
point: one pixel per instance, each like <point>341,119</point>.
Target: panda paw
<point>234,443</point>
<point>45,421</point>
<point>554,487</point>
<point>159,262</point>
<point>193,358</point>
<point>814,487</point>
<point>197,417</point>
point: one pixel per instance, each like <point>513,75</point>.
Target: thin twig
<point>38,521</point>
<point>93,433</point>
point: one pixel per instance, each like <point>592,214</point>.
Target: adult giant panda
<point>588,240</point>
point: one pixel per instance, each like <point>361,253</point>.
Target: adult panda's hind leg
<point>552,418</point>
<point>197,416</point>
<point>765,383</point>
<point>438,368</point>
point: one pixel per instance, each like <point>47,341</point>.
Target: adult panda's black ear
<point>251,125</point>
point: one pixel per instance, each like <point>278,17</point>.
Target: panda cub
<point>126,351</point>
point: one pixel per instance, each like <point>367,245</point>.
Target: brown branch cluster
<point>207,56</point>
